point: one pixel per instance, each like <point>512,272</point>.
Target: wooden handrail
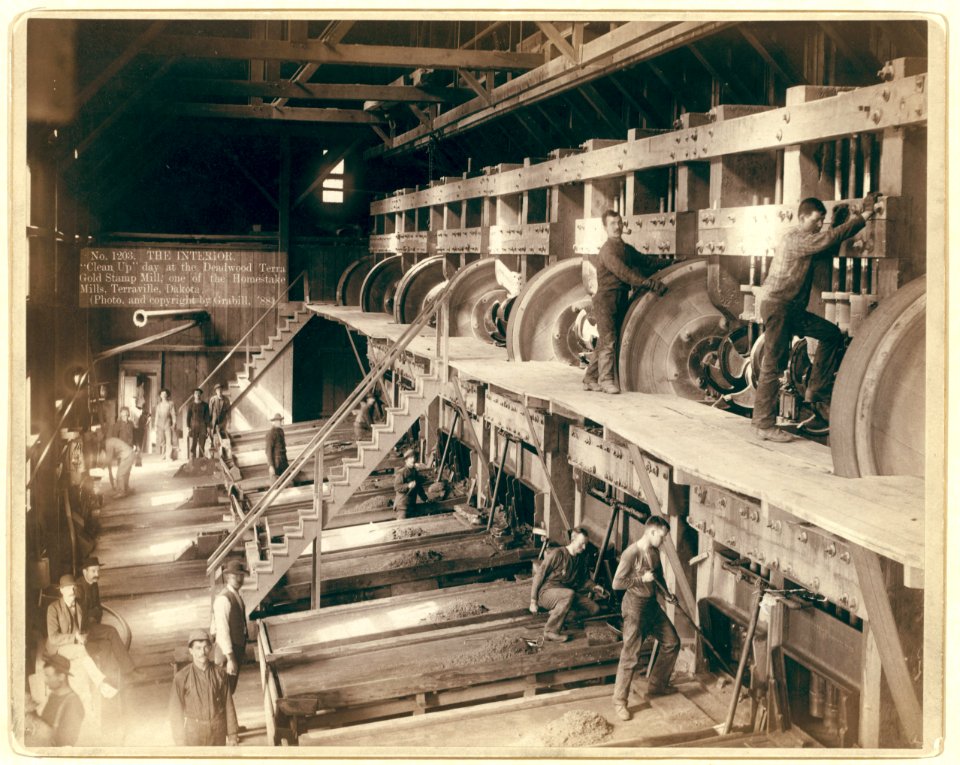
<point>319,439</point>
<point>247,334</point>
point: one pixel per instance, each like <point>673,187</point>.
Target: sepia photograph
<point>436,382</point>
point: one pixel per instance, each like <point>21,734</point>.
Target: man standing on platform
<point>219,413</point>
<point>407,485</point>
<point>276,446</point>
<point>637,574</point>
<point>198,420</point>
<point>783,308</point>
<point>228,624</point>
<point>562,582</point>
<point>165,421</point>
<point>201,708</point>
<point>619,266</point>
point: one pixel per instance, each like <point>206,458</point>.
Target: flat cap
<point>58,662</point>
<point>197,635</point>
<point>67,580</point>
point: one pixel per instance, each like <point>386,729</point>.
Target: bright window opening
<point>332,189</point>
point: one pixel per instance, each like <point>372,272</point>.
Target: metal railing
<point>274,304</point>
<point>320,438</point>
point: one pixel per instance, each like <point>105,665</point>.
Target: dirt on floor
<point>576,728</point>
<point>415,558</point>
<point>489,650</point>
<point>411,532</point>
<point>458,609</point>
<point>371,505</point>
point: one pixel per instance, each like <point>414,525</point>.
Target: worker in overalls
<point>407,485</point>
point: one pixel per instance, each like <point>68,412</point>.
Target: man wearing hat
<point>67,635</point>
<point>228,623</point>
<point>198,419</point>
<point>201,706</point>
<point>363,422</point>
<point>219,412</point>
<point>88,596</point>
<point>407,484</point>
<point>114,450</point>
<point>58,724</point>
<point>276,446</point>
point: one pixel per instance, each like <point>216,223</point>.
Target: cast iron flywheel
<point>671,343</point>
<point>414,287</point>
<point>878,405</point>
<point>380,285</point>
<point>474,292</point>
<point>541,320</point>
<point>351,280</point>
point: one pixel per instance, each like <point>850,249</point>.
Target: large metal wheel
<point>380,285</point>
<point>414,286</point>
<point>878,406</point>
<point>351,280</point>
<point>474,292</point>
<point>671,343</point>
<point>541,320</point>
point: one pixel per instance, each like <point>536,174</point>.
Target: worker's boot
<point>609,386</point>
<point>591,385</point>
<point>620,708</point>
<point>772,434</point>
<point>556,637</point>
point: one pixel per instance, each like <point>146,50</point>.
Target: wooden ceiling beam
<point>304,91</point>
<point>317,52</point>
<point>559,41</point>
<point>626,45</point>
<point>279,114</point>
<point>114,68</point>
<point>723,74</point>
<point>782,69</point>
<point>476,86</point>
<point>641,103</point>
<point>866,69</point>
<point>599,104</point>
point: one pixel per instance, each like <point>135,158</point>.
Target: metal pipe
<point>141,316</point>
<point>744,655</point>
<point>496,484</point>
<point>838,169</point>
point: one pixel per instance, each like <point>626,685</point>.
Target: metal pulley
<point>380,285</point>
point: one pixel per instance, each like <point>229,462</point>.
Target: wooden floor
<point>162,598</point>
<point>707,444</point>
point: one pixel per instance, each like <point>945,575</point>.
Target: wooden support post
<point>483,472</point>
<point>319,511</point>
<point>884,630</point>
<point>871,689</point>
<point>650,497</point>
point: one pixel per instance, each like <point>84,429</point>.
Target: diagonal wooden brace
<point>650,497</point>
<point>884,628</point>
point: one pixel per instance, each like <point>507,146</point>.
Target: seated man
<point>58,723</point>
<point>88,595</point>
<point>562,582</point>
<point>67,635</point>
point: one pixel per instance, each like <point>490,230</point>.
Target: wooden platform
<point>412,653</point>
<point>704,443</point>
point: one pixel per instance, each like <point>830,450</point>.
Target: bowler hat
<point>234,566</point>
<point>58,662</point>
<point>67,580</point>
<point>276,417</point>
<point>197,635</point>
<point>93,560</point>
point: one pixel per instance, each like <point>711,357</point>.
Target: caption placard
<point>147,277</point>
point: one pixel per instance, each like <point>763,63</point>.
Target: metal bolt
<point>786,116</point>
<point>779,135</point>
<point>830,550</point>
<point>845,556</point>
<point>802,537</point>
<point>743,512</point>
<point>885,93</point>
<point>876,116</point>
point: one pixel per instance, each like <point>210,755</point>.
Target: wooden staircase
<point>286,531</point>
<point>293,316</point>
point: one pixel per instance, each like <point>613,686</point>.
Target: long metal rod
<point>356,355</point>
<point>446,446</point>
<point>496,484</point>
<point>706,640</point>
<point>744,655</point>
<point>614,512</point>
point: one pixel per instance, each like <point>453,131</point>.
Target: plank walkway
<point>706,443</point>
